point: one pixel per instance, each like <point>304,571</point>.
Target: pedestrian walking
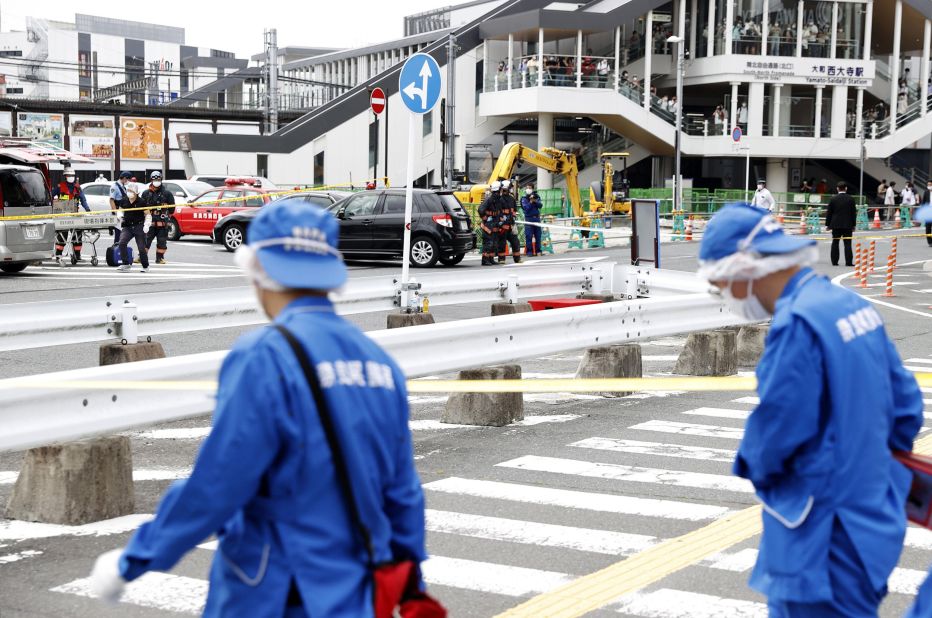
<point>307,476</point>
<point>841,217</point>
<point>818,447</point>
<point>531,204</point>
<point>909,199</point>
<point>763,198</point>
<point>161,207</point>
<point>889,201</point>
<point>134,220</point>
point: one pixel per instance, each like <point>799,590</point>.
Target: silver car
<point>23,192</point>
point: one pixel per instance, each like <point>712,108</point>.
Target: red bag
<point>395,585</point>
<point>919,501</point>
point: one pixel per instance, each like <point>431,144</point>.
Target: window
<point>210,196</point>
<point>361,205</point>
<point>14,91</point>
<point>393,205</point>
<point>96,190</point>
<point>781,37</point>
<point>428,123</point>
<point>253,198</point>
<point>746,31</point>
<point>850,30</point>
<point>323,202</point>
<point>319,169</point>
<point>231,195</point>
<point>11,53</point>
<point>174,189</point>
<point>430,202</point>
<point>817,29</point>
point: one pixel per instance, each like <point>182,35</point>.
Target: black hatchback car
<point>372,225</point>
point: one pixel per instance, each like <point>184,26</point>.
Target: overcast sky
<point>325,23</point>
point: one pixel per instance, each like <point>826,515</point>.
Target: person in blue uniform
<point>264,479</point>
<point>531,204</point>
<point>818,446</point>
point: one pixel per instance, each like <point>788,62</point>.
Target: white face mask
<point>131,195</point>
<point>749,307</point>
<point>156,183</point>
<point>69,179</point>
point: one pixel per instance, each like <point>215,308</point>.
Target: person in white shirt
<point>909,199</point>
<point>763,198</point>
<point>743,114</point>
<point>889,202</point>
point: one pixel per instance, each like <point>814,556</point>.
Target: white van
<point>23,192</point>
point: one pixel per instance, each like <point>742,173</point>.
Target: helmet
<point>496,186</point>
<point>156,175</point>
<point>506,184</point>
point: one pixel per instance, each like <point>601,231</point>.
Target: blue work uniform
<point>264,479</point>
<point>835,401</point>
<point>532,233</point>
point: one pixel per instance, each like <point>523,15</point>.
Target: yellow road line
<point>923,446</point>
<point>601,588</point>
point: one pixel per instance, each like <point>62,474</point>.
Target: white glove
<point>106,582</point>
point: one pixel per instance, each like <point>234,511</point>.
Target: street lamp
<point>680,68</point>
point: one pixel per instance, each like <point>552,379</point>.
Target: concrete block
<point>75,483</point>
<point>116,353</point>
<point>510,308</point>
<point>487,409</point>
<point>709,353</point>
<point>605,297</point>
<point>401,320</point>
<point>612,361</point>
<point>750,343</point>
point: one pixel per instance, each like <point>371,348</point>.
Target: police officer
<point>763,198</point>
<point>161,203</point>
<point>490,214</point>
<point>507,234</point>
<point>818,446</point>
<point>264,480</point>
<point>119,199</point>
<point>531,204</point>
<point>69,189</point>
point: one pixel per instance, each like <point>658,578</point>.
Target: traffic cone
<point>689,229</point>
<point>876,225</point>
<point>802,224</point>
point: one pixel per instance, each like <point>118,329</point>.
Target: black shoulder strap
<point>326,421</point>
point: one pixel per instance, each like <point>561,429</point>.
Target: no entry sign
<point>377,100</point>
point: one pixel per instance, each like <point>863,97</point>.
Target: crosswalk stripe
<point>719,413</point>
<point>17,530</point>
<point>490,577</point>
<point>162,591</point>
<point>919,360</point>
<point>917,369</point>
<point>617,472</point>
<point>656,448</point>
<point>754,401</point>
<point>604,503</point>
<point>536,533</point>
<point>157,474</point>
<point>668,603</point>
<point>690,429</point>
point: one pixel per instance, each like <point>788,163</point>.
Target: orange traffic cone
<point>876,225</point>
<point>689,228</point>
<point>802,224</point>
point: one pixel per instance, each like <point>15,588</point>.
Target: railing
<point>41,324</point>
<point>68,405</point>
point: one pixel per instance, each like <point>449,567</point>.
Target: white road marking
<point>603,503</point>
<point>657,448</point>
<point>689,429</point>
<point>658,358</point>
<point>895,283</point>
<point>530,421</point>
<point>736,562</point>
<point>633,474</point>
<point>918,538</point>
<point>668,603</point>
<point>162,591</point>
<point>719,413</point>
<point>29,553</point>
<point>754,401</point>
<point>434,425</point>
<point>159,474</point>
<point>917,369</point>
<point>918,360</point>
<point>906,581</point>
<point>15,530</point>
<point>490,577</point>
<point>536,533</point>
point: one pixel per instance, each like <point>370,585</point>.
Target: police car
<point>198,217</point>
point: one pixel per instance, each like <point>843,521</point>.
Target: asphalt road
<point>515,511</point>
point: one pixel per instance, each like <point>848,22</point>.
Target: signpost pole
<point>747,171</point>
<point>409,199</point>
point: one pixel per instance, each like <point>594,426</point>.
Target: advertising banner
<point>141,138</point>
<point>91,136</point>
<point>48,128</point>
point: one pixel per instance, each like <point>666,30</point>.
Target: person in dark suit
<point>840,217</point>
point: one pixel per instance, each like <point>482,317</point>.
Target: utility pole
<point>271,80</point>
<point>451,93</point>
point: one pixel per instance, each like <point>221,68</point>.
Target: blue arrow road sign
<point>419,83</point>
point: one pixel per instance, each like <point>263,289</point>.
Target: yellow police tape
<point>553,385</point>
<point>271,194</point>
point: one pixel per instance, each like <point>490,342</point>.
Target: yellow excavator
<point>611,193</point>
<point>550,159</point>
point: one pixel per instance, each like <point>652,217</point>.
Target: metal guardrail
<point>67,405</point>
<point>129,316</point>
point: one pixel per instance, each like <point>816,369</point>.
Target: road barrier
<point>129,317</point>
<point>68,405</point>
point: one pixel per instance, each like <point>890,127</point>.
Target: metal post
<point>385,161</point>
<point>834,43</point>
<point>451,108</point>
<point>680,43</point>
<point>511,59</point>
<point>273,80</point>
<point>869,19</point>
<point>648,58</point>
<point>765,28</point>
<point>617,56</point>
<point>579,58</point>
<point>862,151</point>
<point>895,64</point>
<point>747,171</point>
<point>800,13</point>
<point>924,67</point>
<point>409,199</point>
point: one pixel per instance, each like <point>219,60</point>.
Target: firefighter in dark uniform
<point>67,190</point>
<point>507,234</point>
<point>161,203</point>
<point>490,214</point>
